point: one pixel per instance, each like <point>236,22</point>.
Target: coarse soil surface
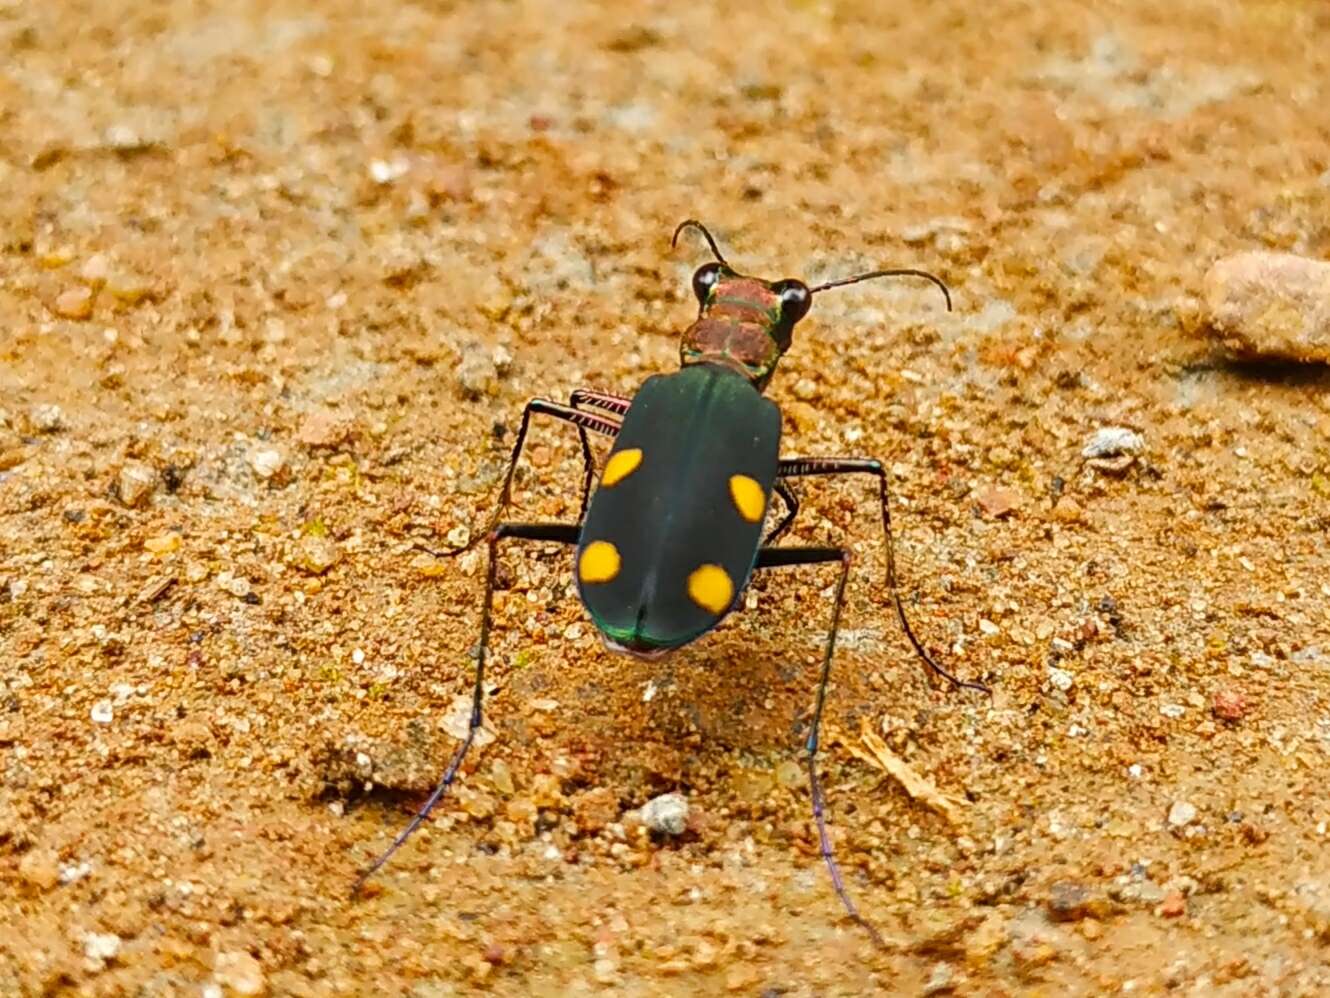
<point>276,280</point>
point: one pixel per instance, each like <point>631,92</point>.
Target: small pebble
<point>323,428</point>
<point>941,981</point>
<point>457,722</point>
<point>1067,901</point>
<point>428,566</point>
<point>997,502</point>
<point>136,483</point>
<point>192,737</point>
<point>124,138</point>
<point>1173,905</point>
<point>666,814</point>
<point>162,544</point>
<point>40,868</point>
<point>47,418</point>
<point>595,809</point>
<point>1270,305</point>
<point>76,303</point>
<point>266,462</point>
<point>606,971</point>
<point>502,777</point>
<point>1068,510</point>
<point>103,712</point>
<point>99,947</point>
<point>1229,705</point>
<point>240,972</point>
<point>805,389</point>
<point>95,270</point>
<point>127,288</point>
<point>742,977</point>
<point>318,554</point>
<point>1181,814</point>
<point>1030,954</point>
<point>478,375</point>
<point>384,171</point>
<point>1061,679</point>
<point>1113,441</point>
<point>237,585</point>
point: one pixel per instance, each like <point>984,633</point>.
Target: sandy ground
<point>275,281</point>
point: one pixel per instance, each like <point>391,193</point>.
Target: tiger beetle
<point>672,533</point>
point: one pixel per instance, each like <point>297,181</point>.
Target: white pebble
<point>666,814</point>
<point>99,947</point>
<point>1061,679</point>
<point>123,137</point>
<point>47,418</point>
<point>102,712</point>
<point>385,172</point>
<point>73,872</point>
<point>457,722</point>
<point>1182,813</point>
<point>940,981</point>
<point>1172,710</point>
<point>136,483</point>
<point>266,461</point>
<point>237,585</point>
<point>1110,441</point>
<point>240,972</point>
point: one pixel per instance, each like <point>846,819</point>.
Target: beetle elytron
<point>673,531</point>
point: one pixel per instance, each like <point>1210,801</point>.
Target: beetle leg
<point>801,466</point>
<point>775,557</point>
<point>582,420</point>
<point>560,533</point>
<point>604,401</point>
<point>613,405</point>
<point>786,491</point>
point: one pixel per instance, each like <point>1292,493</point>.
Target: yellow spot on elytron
<point>599,562</point>
<point>749,499</point>
<point>711,588</point>
<point>621,465</point>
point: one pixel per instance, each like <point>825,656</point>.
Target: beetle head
<point>747,323</point>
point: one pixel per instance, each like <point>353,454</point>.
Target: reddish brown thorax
<point>737,328</point>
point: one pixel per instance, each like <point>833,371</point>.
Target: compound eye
<point>704,280</point>
<point>794,300</point>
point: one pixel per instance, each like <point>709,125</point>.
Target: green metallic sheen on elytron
<point>674,512</point>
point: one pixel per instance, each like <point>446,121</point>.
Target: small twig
<point>875,752</point>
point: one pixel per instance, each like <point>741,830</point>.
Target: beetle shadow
<point>733,692</point>
<point>1253,371</point>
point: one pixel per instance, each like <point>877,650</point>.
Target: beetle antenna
<point>692,223</point>
<point>876,273</point>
